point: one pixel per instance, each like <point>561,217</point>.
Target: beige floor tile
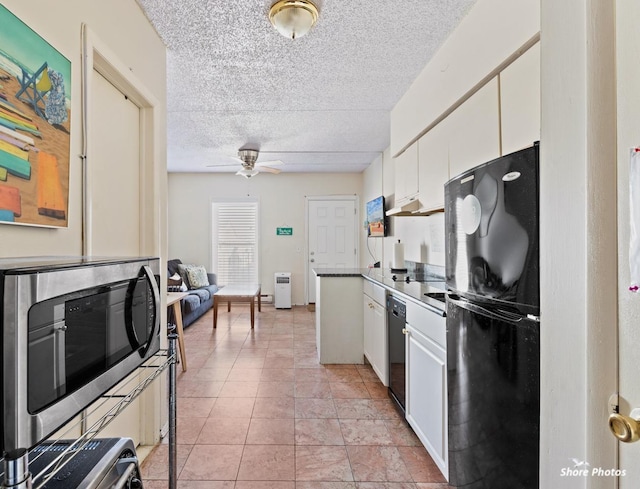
<point>267,463</point>
<point>382,464</point>
<point>224,431</point>
<point>318,432</point>
<point>268,431</point>
<point>232,407</point>
<point>271,407</point>
<point>315,408</point>
<point>239,389</point>
<point>275,389</point>
<point>212,463</point>
<point>365,432</point>
<point>322,463</point>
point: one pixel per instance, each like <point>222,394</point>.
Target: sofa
<point>199,299</point>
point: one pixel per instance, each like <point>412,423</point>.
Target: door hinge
<point>354,211</point>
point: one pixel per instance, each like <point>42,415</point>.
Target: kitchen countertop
<point>382,276</point>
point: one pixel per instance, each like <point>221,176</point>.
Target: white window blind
<point>235,242</point>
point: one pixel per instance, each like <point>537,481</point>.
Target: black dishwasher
<point>396,323</point>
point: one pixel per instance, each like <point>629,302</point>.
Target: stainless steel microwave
<point>72,328</point>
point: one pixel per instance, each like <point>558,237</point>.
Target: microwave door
<point>47,366</point>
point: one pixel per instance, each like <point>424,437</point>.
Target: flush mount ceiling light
<point>247,172</point>
<point>293,18</point>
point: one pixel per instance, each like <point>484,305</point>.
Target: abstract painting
<point>35,118</point>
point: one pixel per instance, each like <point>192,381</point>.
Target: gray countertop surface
<point>414,291</point>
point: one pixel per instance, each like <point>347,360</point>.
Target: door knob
<point>312,260</point>
<point>405,331</point>
<point>625,428</point>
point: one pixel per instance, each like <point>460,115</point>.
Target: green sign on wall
<point>284,231</point>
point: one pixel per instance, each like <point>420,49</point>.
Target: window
<point>235,241</point>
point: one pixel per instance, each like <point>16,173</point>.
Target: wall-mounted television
<point>376,221</point>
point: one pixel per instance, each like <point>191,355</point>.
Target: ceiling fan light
<point>246,173</point>
<point>293,18</point>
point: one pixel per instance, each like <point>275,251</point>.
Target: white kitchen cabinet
<point>406,175</point>
<point>520,101</point>
<point>433,166</point>
<point>474,129</point>
<point>426,381</point>
<point>375,330</point>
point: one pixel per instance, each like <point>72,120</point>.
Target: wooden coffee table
<point>237,293</point>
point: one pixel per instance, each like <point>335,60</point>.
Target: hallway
<point>257,411</point>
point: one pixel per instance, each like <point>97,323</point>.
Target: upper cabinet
<point>433,171</point>
<point>475,130</point>
<point>520,101</point>
<point>502,117</point>
<point>406,172</point>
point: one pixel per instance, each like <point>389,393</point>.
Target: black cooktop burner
<point>411,277</point>
<point>407,279</point>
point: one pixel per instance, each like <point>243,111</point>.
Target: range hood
<point>407,208</point>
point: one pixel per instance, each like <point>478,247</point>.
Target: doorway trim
<point>356,217</point>
<point>97,56</point>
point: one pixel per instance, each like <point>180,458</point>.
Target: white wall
<point>282,203</point>
<point>423,237</point>
<point>122,26</point>
<point>371,249</point>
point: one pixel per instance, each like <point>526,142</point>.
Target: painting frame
<point>35,127</point>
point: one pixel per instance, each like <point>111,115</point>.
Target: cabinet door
<point>406,174</point>
<point>475,130</point>
<point>520,101</point>
<point>433,168</point>
<point>375,337</point>
<point>367,316</point>
<point>381,354</point>
<point>426,403</point>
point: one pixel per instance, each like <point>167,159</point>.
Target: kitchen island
<point>339,324</point>
<point>339,311</point>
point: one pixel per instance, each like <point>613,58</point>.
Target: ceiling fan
<point>250,166</point>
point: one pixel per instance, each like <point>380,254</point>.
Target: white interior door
<point>331,225</point>
<point>115,208</point>
<point>628,116</point>
<point>115,171</point>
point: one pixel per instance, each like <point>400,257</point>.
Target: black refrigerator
<point>493,323</point>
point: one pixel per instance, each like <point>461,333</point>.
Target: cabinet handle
<point>370,305</point>
<point>405,331</point>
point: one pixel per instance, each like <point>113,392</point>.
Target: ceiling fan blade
<point>270,163</point>
<point>268,169</point>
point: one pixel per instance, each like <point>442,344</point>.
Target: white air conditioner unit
<point>282,294</point>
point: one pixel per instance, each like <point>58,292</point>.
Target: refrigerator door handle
<point>498,314</point>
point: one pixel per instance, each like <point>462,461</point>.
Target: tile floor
<point>257,411</point>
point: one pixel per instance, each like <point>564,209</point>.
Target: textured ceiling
<point>318,103</point>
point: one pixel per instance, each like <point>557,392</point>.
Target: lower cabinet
<point>375,337</point>
<point>426,402</point>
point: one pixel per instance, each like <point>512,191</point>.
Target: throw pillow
<point>197,277</point>
<point>182,270</point>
